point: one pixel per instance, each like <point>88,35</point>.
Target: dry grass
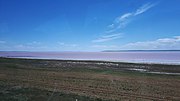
<point>96,82</point>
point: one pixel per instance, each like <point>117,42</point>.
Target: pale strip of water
<point>162,57</point>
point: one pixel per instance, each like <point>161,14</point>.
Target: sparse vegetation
<point>35,80</point>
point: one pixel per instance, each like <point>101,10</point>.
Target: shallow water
<point>167,57</point>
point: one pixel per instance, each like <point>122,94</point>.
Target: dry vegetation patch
<point>107,84</point>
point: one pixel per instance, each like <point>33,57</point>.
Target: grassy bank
<point>18,93</point>
<point>85,81</point>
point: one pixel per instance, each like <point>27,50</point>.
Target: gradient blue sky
<point>89,25</point>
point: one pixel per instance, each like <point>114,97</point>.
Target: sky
<point>89,25</point>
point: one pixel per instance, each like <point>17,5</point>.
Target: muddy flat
<point>70,80</point>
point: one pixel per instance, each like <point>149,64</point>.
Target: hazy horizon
<point>84,51</point>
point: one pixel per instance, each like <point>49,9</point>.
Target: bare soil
<point>94,79</point>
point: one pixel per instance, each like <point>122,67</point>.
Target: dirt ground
<point>102,80</point>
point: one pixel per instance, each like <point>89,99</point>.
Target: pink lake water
<point>165,57</point>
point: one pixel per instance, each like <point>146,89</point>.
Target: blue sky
<point>89,25</point>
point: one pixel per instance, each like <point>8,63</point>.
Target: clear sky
<point>89,25</point>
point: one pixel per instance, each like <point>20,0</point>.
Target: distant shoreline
<point>141,51</point>
<point>103,51</point>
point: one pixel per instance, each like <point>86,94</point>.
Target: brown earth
<point>90,80</point>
